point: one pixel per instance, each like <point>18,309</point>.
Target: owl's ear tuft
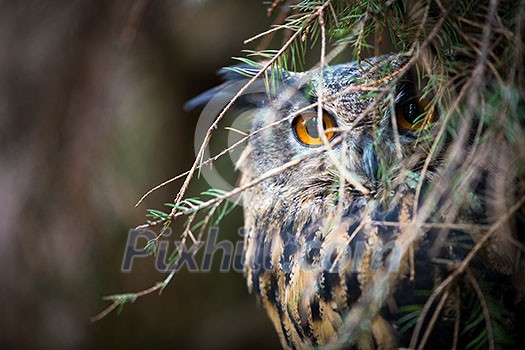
<point>235,77</point>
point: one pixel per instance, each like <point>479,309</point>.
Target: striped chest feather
<point>312,265</point>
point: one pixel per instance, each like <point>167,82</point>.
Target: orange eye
<point>305,128</point>
<point>412,115</point>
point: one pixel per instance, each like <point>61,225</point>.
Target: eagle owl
<point>346,233</point>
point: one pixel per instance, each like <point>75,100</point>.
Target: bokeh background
<point>91,96</point>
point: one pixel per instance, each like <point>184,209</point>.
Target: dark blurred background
<point>91,117</point>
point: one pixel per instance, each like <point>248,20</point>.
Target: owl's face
<point>368,135</point>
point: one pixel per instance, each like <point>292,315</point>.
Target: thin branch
<point>461,268</point>
<point>484,307</point>
<point>474,228</point>
<point>433,320</point>
<point>207,137</point>
<point>104,312</point>
<point>238,190</point>
<point>320,96</point>
<point>370,86</point>
<point>119,299</point>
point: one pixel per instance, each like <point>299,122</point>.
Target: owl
<point>346,212</point>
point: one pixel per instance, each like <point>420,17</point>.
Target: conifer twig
<point>461,268</point>
<point>484,307</point>
<point>214,125</point>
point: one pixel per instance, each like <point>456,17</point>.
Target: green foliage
<point>410,317</point>
<point>475,328</point>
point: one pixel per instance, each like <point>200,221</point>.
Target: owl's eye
<point>305,128</point>
<point>411,115</point>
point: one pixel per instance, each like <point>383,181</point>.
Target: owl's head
<point>356,122</point>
